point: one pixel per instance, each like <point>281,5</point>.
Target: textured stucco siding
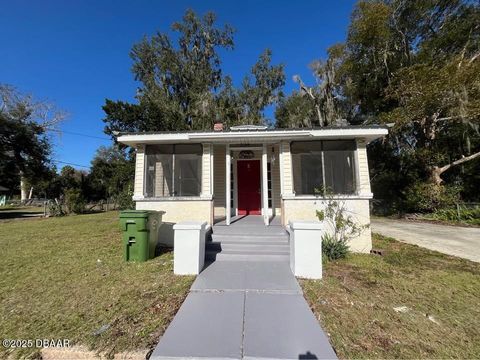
<point>139,172</point>
<point>176,211</point>
<point>363,175</point>
<point>219,181</point>
<point>303,209</point>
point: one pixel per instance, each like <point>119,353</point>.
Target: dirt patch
<point>82,353</point>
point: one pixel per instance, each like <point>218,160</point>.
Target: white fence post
<point>189,247</point>
<point>306,249</point>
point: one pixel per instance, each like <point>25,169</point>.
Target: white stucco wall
<point>176,211</point>
<point>305,209</point>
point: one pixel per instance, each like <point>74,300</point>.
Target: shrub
<point>428,197</point>
<point>74,201</point>
<point>460,214</point>
<point>55,208</point>
<point>124,199</point>
<point>333,249</point>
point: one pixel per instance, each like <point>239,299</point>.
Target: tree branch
<point>458,162</point>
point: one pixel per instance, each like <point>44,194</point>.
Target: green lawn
<point>66,278</point>
<point>355,302</point>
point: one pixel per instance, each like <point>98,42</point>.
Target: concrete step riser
<point>256,239</point>
<point>247,247</point>
<point>245,257</point>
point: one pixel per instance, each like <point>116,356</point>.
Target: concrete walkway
<point>245,310</point>
<point>458,241</point>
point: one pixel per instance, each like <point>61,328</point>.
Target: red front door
<point>249,196</point>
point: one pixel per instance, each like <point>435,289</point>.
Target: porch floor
<point>249,225</point>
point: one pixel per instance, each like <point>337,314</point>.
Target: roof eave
<point>368,134</point>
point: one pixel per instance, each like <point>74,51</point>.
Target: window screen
<point>173,170</point>
<point>323,166</point>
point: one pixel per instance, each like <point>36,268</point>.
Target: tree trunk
<point>23,188</point>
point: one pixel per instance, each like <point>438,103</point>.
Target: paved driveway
<point>458,241</point>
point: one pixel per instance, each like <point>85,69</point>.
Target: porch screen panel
<point>339,166</point>
<point>173,170</point>
<point>307,167</point>
<point>323,166</point>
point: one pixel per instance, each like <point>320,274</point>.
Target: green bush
<point>333,249</point>
<point>461,214</point>
<point>55,209</point>
<point>428,197</point>
<point>74,201</point>
<point>124,199</point>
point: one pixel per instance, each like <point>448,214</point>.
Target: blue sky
<point>76,53</point>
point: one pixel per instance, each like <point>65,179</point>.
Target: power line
<point>67,163</point>
<point>78,134</point>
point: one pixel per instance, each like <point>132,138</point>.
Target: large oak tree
<point>182,85</point>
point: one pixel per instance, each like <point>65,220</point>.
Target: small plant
<point>55,208</point>
<point>74,201</point>
<point>344,228</point>
<point>332,249</point>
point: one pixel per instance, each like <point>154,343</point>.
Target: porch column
<point>265,184</point>
<point>139,183</point>
<point>280,162</point>
<point>228,209</point>
<point>207,171</point>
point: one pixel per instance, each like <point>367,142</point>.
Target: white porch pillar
<point>280,162</point>
<point>228,209</point>
<point>265,184</point>
<point>207,171</point>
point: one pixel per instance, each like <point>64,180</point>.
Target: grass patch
<point>355,303</point>
<point>64,278</point>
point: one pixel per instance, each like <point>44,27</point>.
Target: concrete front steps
<point>239,247</point>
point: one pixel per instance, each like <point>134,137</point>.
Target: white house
<point>218,175</point>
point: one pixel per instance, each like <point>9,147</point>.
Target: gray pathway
<point>245,310</point>
<point>458,241</point>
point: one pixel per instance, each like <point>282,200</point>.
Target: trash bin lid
<point>134,214</point>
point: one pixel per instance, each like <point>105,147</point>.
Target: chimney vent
<point>218,126</point>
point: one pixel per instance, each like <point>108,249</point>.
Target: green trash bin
<point>155,221</point>
<point>140,233</point>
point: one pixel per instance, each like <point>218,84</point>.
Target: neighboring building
<point>251,170</point>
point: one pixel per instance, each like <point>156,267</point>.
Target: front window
<point>173,170</point>
<point>321,167</point>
